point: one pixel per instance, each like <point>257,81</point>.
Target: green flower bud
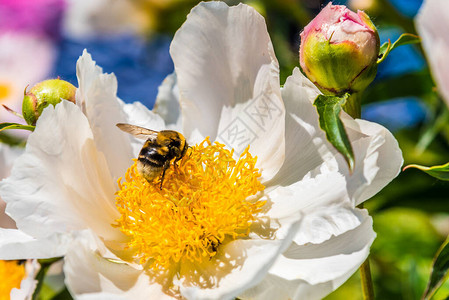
<point>43,94</point>
<point>339,50</point>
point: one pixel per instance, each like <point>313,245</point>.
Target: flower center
<point>203,203</point>
<point>5,90</point>
<point>11,273</point>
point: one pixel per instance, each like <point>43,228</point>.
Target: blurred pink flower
<point>25,59</point>
<point>27,50</point>
<point>40,17</point>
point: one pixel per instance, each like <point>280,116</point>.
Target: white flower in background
<point>85,18</point>
<point>281,226</point>
<point>431,23</point>
<point>361,4</point>
<point>25,59</point>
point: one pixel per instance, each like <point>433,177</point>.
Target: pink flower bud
<point>339,50</point>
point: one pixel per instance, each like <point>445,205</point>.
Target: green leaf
<point>384,50</point>
<point>329,108</point>
<point>441,172</point>
<point>5,126</point>
<point>439,272</point>
<point>11,140</point>
<point>404,39</point>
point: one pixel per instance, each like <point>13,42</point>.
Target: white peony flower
<point>283,225</point>
<point>431,23</point>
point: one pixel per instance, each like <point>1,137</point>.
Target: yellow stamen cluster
<point>203,201</point>
<point>11,273</point>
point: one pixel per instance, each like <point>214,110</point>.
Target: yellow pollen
<point>5,90</point>
<point>203,201</point>
<point>11,273</point>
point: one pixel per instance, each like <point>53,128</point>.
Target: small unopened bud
<point>43,94</point>
<point>339,50</point>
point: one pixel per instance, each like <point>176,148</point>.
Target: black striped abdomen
<point>151,160</point>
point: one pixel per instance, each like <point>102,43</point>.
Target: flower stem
<point>45,265</point>
<point>353,105</point>
<point>367,282</point>
<point>353,108</point>
<point>365,276</point>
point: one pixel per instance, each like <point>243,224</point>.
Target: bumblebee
<point>159,151</point>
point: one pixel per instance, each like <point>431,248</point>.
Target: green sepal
<point>5,126</point>
<point>439,273</point>
<point>337,68</point>
<point>441,172</point>
<point>329,108</point>
<point>404,39</point>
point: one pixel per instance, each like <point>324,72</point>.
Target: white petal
<point>167,101</point>
<point>323,202</point>
<point>274,287</point>
<point>318,263</point>
<point>97,95</point>
<point>138,114</point>
<point>327,221</point>
<point>378,158</point>
<point>61,183</point>
<point>7,157</point>
<point>228,79</point>
<point>307,195</point>
<point>308,153</point>
<point>306,147</point>
<point>238,266</point>
<point>431,23</point>
<point>314,271</point>
<point>15,244</point>
<point>100,278</point>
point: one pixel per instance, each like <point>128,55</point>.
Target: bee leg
<point>166,166</point>
<point>175,162</point>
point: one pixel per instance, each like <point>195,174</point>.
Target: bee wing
<point>137,131</point>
